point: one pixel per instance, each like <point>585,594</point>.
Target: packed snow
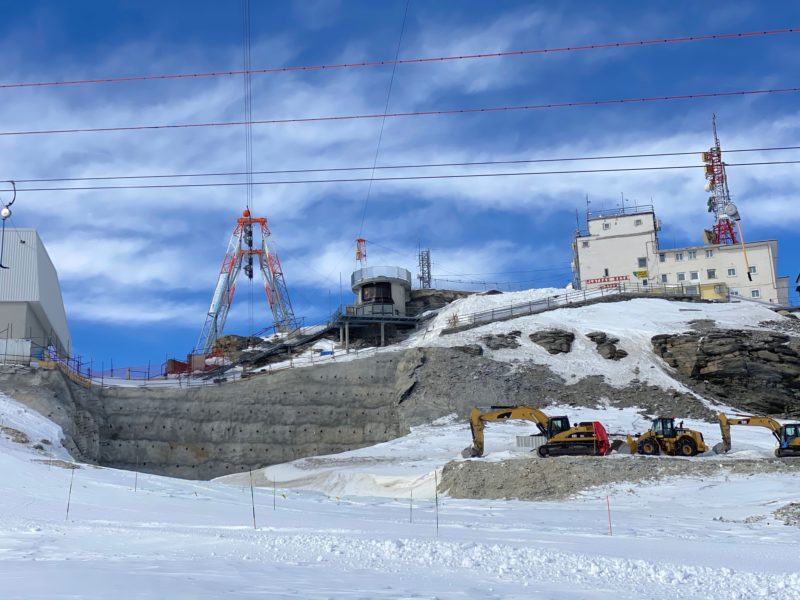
<point>144,536</point>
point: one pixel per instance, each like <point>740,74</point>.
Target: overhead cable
<point>402,178</point>
<point>379,63</point>
<point>421,113</point>
<point>399,166</point>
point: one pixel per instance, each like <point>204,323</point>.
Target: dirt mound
<point>530,478</point>
<point>790,514</point>
<point>15,435</point>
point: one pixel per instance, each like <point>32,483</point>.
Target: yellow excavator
<point>788,436</point>
<point>664,437</point>
<point>562,439</point>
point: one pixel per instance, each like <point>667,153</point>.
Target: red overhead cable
<point>421,113</point>
<point>404,61</point>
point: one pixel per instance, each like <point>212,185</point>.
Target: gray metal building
<point>31,306</point>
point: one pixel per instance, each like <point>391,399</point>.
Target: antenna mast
<point>719,203</point>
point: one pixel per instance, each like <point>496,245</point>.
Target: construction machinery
<point>562,439</point>
<point>788,435</point>
<point>664,437</point>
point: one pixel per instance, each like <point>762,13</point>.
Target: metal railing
<point>619,211</point>
<point>373,272</point>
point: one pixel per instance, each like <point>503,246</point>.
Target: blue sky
<point>138,267</point>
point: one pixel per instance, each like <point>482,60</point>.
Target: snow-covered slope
<point>154,537</point>
<point>634,322</point>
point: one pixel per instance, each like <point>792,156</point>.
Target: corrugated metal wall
<point>31,277</point>
<point>20,283</point>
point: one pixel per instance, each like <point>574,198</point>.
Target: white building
<point>32,313</point>
<point>381,291</point>
<point>622,246</point>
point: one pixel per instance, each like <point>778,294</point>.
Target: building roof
<point>620,211</point>
<point>32,278</point>
<point>718,246</point>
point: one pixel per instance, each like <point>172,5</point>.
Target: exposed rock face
<point>753,370</point>
<point>208,431</point>
<point>555,341</point>
<point>472,349</point>
<point>607,346</point>
<point>502,340</point>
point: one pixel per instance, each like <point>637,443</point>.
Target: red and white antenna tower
<point>719,203</point>
<point>240,257</point>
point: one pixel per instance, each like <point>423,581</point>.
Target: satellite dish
<point>707,187</point>
<point>730,209</point>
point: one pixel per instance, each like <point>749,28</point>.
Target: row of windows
<point>691,254</point>
<point>711,273</point>
<point>753,293</point>
<point>636,223</point>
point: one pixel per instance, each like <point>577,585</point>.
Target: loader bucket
<point>620,446</point>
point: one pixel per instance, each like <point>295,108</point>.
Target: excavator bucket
<point>470,452</point>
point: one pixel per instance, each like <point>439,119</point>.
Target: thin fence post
<point>69,495</point>
<point>252,499</point>
<point>608,504</point>
<point>436,496</point>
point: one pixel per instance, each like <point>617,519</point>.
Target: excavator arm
<point>478,419</point>
<point>725,423</point>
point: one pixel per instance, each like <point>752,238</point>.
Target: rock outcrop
<point>753,370</point>
<point>607,346</point>
<point>555,341</point>
<point>500,341</point>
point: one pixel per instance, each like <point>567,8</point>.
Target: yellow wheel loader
<point>562,439</point>
<point>665,438</point>
<point>788,436</point>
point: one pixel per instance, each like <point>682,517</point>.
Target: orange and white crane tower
<point>240,257</point>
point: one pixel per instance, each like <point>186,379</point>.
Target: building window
<point>605,272</point>
<point>718,289</point>
<point>678,256</point>
<point>663,279</point>
<point>644,282</point>
<point>755,294</point>
<point>731,272</point>
<point>637,222</point>
<point>692,289</point>
<point>753,269</point>
<point>643,263</point>
<point>712,273</point>
<point>584,244</point>
<point>709,254</point>
<point>694,275</point>
<point>681,276</point>
<point>662,257</point>
<point>606,226</point>
<point>692,254</point>
<point>734,292</point>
